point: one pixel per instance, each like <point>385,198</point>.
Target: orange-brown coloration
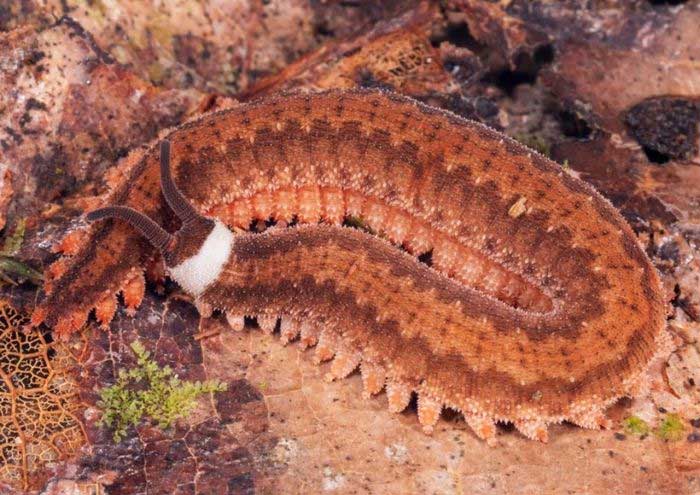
<point>545,312</point>
<point>71,243</point>
<point>133,291</point>
<point>309,335</point>
<point>236,322</point>
<point>398,395</point>
<point>289,330</point>
<point>482,426</point>
<point>105,309</point>
<point>53,271</point>
<point>155,270</point>
<point>373,378</point>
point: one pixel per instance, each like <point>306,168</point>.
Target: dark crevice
<point>544,55</point>
<point>426,258</point>
<point>450,415</point>
<point>676,295</point>
<point>573,125</point>
<point>684,303</point>
<point>506,427</point>
<point>457,34</point>
<point>655,156</point>
<point>667,2</point>
<point>367,79</point>
<point>412,406</point>
<point>508,80</point>
<point>323,31</point>
<point>526,69</point>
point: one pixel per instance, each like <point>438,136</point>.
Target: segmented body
<point>540,306</point>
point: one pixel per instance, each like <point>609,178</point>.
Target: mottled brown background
<point>610,88</point>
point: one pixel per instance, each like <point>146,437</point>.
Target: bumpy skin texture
<point>540,305</point>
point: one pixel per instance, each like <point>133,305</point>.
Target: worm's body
<point>540,306</point>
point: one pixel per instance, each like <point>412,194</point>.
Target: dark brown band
<point>179,204</point>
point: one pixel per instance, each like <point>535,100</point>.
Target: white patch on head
<point>197,272</point>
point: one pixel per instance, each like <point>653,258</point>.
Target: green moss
<point>635,426</point>
<point>11,269</point>
<point>358,223</point>
<point>671,428</point>
<point>14,241</point>
<point>534,141</point>
<point>149,391</point>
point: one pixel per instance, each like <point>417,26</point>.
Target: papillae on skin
<point>539,305</point>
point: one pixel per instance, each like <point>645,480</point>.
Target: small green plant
<point>11,268</point>
<point>148,390</point>
<point>534,141</point>
<point>635,425</point>
<point>358,222</point>
<point>671,428</point>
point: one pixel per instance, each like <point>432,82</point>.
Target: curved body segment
<point>539,305</point>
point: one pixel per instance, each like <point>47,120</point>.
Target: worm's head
<point>197,253</point>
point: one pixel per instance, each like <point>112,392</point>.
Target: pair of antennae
<point>155,234</point>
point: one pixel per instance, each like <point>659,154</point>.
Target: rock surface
<point>610,90</point>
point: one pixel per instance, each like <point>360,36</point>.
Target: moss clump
<point>534,141</point>
<point>361,224</point>
<point>671,428</point>
<point>11,269</point>
<point>635,425</point>
<point>357,222</point>
<point>148,390</point>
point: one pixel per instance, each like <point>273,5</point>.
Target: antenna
<point>155,234</point>
<point>177,201</point>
